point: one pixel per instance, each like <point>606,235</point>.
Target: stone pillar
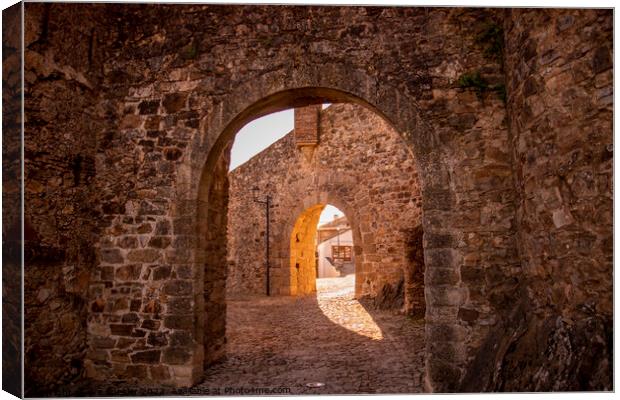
<point>415,304</point>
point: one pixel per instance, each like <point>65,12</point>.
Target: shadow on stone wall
<point>526,353</point>
<point>391,296</point>
<point>407,294</point>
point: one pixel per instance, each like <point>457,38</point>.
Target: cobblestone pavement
<point>288,342</point>
<point>329,338</point>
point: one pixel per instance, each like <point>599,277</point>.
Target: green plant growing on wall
<point>473,80</point>
<point>267,41</point>
<point>189,52</point>
<point>501,91</point>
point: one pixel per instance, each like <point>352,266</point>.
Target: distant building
<point>335,249</point>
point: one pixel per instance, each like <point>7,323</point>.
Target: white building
<point>335,249</point>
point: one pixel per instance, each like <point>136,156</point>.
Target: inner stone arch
<point>302,223</point>
<point>307,241</point>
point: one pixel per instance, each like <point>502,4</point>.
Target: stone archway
<point>206,252</point>
<point>281,277</point>
<point>194,317</point>
<point>463,202</point>
<point>304,219</point>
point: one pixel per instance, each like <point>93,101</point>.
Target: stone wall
<point>470,246</point>
<point>215,265</point>
<point>362,166</point>
<point>560,101</point>
<point>63,117</point>
<point>129,112</point>
<point>561,86</point>
<point>12,188</point>
<point>414,300</point>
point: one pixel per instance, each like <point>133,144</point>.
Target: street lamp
<point>267,203</point>
<point>339,261</point>
<point>338,235</point>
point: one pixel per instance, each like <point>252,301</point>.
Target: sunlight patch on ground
<point>336,300</point>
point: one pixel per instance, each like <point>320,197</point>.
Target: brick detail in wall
<point>307,125</point>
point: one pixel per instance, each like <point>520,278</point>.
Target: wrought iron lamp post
<point>267,203</point>
<point>339,261</point>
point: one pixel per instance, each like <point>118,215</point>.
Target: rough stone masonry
<point>129,115</point>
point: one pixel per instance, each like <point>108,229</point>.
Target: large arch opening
<point>293,262</point>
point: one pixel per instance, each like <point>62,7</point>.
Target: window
<point>342,253</point>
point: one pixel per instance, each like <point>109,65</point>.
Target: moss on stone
<point>491,38</point>
<point>474,80</point>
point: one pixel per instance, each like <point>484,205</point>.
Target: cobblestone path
<point>288,342</point>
